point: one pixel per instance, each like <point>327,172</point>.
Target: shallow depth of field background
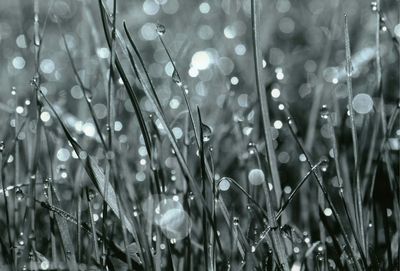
<point>303,50</point>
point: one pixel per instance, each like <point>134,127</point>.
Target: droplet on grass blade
<point>224,184</point>
<point>374,6</point>
<point>251,148</point>
<point>19,194</point>
<point>324,112</point>
<point>207,132</point>
<point>160,29</point>
<point>324,165</point>
<point>176,78</point>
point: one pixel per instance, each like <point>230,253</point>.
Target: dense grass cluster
<point>186,135</point>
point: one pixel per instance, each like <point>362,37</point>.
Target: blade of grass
<point>349,68</point>
<point>277,241</point>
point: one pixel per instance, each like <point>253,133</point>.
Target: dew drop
<point>224,184</point>
<point>191,196</point>
<point>382,24</point>
<point>19,194</point>
<point>235,221</point>
<point>160,29</point>
<point>253,249</point>
<point>91,194</point>
<point>2,146</point>
<point>251,148</point>
<point>374,6</point>
<point>88,94</point>
<point>256,176</point>
<point>324,112</point>
<point>176,78</point>
<point>324,165</point>
<point>207,131</point>
<point>21,242</point>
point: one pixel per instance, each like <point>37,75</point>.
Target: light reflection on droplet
<point>177,132</point>
<point>18,62</point>
<point>256,176</point>
<point>204,8</point>
<point>362,103</point>
<point>174,103</point>
<point>240,49</point>
<point>21,41</point>
<point>103,52</point>
<point>140,176</point>
<point>150,7</point>
<point>275,93</point>
<point>193,72</point>
<point>234,80</point>
<point>224,184</point>
<point>63,154</point>
<point>45,116</point>
<point>229,32</point>
<point>88,129</point>
<point>328,212</point>
<point>19,109</point>
<point>201,60</point>
<point>147,31</point>
<point>47,66</point>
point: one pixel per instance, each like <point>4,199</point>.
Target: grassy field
<point>187,135</point>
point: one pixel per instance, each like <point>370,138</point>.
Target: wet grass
<point>217,195</point>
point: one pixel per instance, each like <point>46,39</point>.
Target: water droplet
<point>21,242</point>
<point>62,171</point>
<point>160,29</point>
<point>88,94</point>
<point>235,221</point>
<point>382,24</point>
<point>91,194</point>
<point>191,196</point>
<point>224,184</point>
<point>2,146</point>
<point>207,131</point>
<point>253,249</point>
<point>324,112</point>
<point>176,78</point>
<point>362,103</point>
<point>19,194</point>
<point>35,81</point>
<point>251,148</point>
<point>374,6</point>
<point>256,176</point>
<point>324,165</point>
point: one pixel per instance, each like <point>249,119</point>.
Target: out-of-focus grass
<point>185,135</point>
